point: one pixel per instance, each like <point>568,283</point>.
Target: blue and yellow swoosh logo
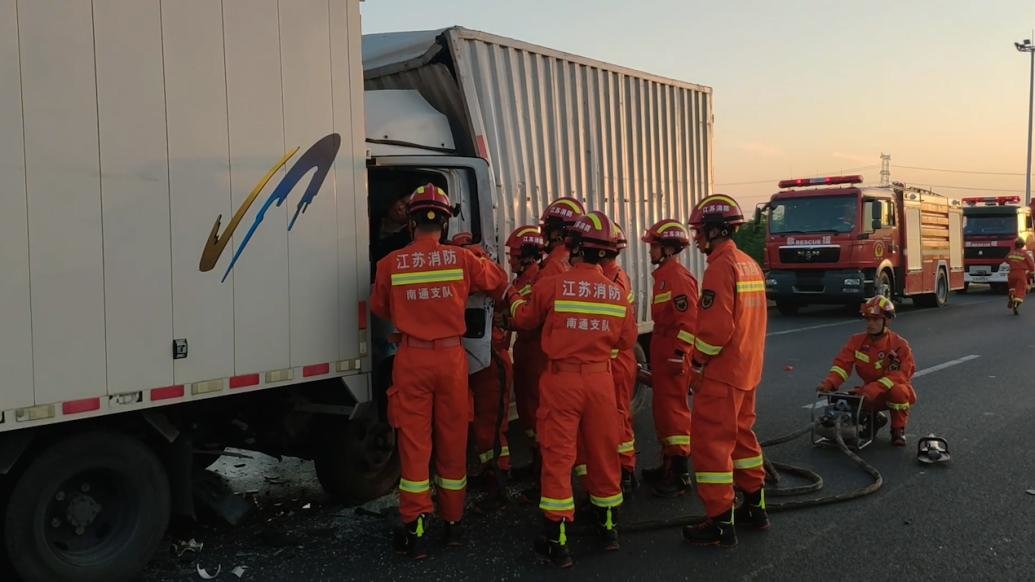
<point>320,156</point>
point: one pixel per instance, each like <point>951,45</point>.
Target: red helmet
<point>878,307</point>
<point>717,209</point>
<point>667,231</point>
<point>463,239</point>
<point>594,231</point>
<point>563,210</point>
<point>430,197</point>
<point>526,241</point>
<point>620,241</point>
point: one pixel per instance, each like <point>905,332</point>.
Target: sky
<point>804,88</point>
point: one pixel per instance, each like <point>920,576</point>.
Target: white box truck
<point>185,238</point>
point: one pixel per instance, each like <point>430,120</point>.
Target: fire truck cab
<point>831,241</point>
<point>990,226</point>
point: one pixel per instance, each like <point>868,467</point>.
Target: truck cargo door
<point>468,183</point>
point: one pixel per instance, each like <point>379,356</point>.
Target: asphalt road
<point>971,519</point>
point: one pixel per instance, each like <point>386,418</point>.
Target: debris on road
<point>238,571</point>
<point>204,573</point>
<point>1030,491</point>
<point>181,547</point>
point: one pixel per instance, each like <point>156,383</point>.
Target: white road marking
<point>812,327</point>
<point>918,373</point>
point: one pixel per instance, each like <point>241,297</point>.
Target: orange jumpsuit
<point>674,311</point>
<point>584,316</point>
<point>1021,268</point>
<point>529,360</point>
<point>623,369</point>
<point>886,365</point>
<point>730,343</point>
<point>423,290</point>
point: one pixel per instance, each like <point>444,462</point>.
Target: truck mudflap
<point>836,286</point>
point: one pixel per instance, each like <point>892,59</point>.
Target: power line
<point>960,171</point>
<point>817,175</point>
<point>922,183</point>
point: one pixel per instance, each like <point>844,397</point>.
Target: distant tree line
<point>751,240</point>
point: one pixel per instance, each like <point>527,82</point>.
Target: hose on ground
<point>815,483</point>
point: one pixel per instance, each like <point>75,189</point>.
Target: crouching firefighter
<point>584,315</point>
<point>884,361</point>
<point>423,290</point>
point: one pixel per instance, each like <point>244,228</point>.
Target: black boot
<point>676,481</point>
<point>898,437</point>
<point>655,474</point>
<point>454,534</point>
<point>714,531</point>
<point>607,527</point>
<point>553,544</point>
<point>752,514</point>
<point>629,481</point>
<point>412,538</point>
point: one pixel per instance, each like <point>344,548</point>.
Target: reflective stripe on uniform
<point>581,470</point>
<point>631,298</point>
<point>550,504</point>
<point>898,405</point>
<point>754,286</point>
<point>676,440</point>
<point>714,478</point>
<point>862,357</point>
<point>417,277</point>
<point>515,305</point>
<point>588,308</point>
<point>525,291</point>
<point>748,463</point>
<point>663,297</point>
<point>612,501</point>
<point>627,447</point>
<point>887,383</point>
<point>452,484</point>
<point>414,486</point>
<point>487,455</point>
<point>686,337</point>
<point>615,354</point>
<point>706,348</point>
<point>840,372</point>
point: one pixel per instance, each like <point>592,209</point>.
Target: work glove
<point>825,386</point>
<point>677,364</point>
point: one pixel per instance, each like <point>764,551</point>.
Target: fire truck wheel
<point>90,508</point>
<point>639,400</point>
<point>357,460</point>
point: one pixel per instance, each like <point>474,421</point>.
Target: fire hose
<point>814,482</point>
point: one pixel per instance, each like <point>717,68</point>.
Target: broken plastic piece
<point>238,571</point>
<point>204,573</point>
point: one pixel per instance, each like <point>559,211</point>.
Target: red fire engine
<point>830,240</point>
<point>990,227</point>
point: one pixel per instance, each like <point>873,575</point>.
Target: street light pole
<point>1028,47</point>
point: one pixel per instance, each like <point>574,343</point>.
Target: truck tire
<point>941,293</point>
<point>357,459</point>
<point>884,282</point>
<point>788,309</point>
<point>639,399</point>
<point>92,507</point>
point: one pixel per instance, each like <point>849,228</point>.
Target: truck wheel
<point>940,296</point>
<point>787,309</point>
<point>884,283</point>
<point>91,508</point>
<point>639,399</point>
<point>357,460</point>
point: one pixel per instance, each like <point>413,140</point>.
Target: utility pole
<point>1028,47</point>
<point>885,169</point>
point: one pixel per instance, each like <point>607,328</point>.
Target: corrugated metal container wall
<point>634,146</point>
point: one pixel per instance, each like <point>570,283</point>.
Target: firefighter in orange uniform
<point>525,248</point>
<point>726,368</point>
<point>1021,269</point>
<point>884,361</point>
<point>529,360</point>
<point>674,311</point>
<point>423,290</point>
<point>584,316</point>
<point>490,391</point>
<point>623,366</point>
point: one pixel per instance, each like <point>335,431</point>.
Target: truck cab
<point>990,227</point>
<point>831,241</point>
